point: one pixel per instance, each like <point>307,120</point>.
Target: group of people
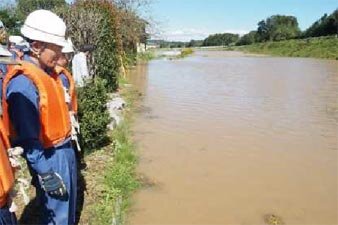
<point>39,104</point>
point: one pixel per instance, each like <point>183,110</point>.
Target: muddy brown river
<point>227,138</point>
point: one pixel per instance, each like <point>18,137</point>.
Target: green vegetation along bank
<point>322,47</point>
<point>110,173</point>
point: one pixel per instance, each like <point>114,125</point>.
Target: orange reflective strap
<point>6,171</point>
<point>72,89</point>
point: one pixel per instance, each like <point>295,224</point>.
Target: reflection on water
<point>229,138</point>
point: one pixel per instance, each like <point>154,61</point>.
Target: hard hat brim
<point>15,39</point>
<point>37,35</point>
<point>4,52</point>
<point>7,60</point>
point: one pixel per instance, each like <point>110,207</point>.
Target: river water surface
<point>227,138</point>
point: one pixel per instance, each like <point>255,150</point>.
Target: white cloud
<point>187,34</point>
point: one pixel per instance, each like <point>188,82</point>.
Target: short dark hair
<point>87,48</point>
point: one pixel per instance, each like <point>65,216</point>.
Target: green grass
<point>119,173</point>
<point>186,52</point>
<point>120,178</point>
<point>322,47</point>
<point>145,56</point>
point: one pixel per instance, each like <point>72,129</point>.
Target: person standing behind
<point>70,90</point>
<point>18,46</point>
<point>37,118</point>
<point>4,53</point>
<point>6,180</point>
<point>6,61</point>
<point>6,171</point>
<point>79,64</point>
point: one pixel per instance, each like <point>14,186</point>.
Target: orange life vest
<point>6,171</point>
<point>54,116</point>
<point>72,90</point>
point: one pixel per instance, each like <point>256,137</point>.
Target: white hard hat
<point>43,25</point>
<point>24,46</point>
<point>19,43</point>
<point>4,51</point>
<point>15,39</point>
<point>1,24</point>
<point>69,47</point>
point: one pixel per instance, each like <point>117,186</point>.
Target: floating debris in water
<point>271,219</point>
<point>147,182</point>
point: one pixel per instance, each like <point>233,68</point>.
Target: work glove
<point>67,95</point>
<point>52,184</point>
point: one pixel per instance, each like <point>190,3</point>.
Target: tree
<point>24,7</point>
<point>277,28</point>
<point>248,38</point>
<point>262,31</point>
<point>326,25</point>
<point>97,22</point>
<point>131,5</point>
<point>195,43</point>
<point>221,39</point>
<point>133,27</point>
<point>10,20</point>
<point>133,31</point>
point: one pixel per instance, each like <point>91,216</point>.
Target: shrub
<point>186,51</point>
<point>93,115</point>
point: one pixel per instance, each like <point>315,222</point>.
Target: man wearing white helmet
<point>18,46</point>
<point>70,90</point>
<point>5,61</point>
<point>36,115</point>
<point>6,172</point>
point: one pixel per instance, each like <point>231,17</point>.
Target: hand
<point>52,184</point>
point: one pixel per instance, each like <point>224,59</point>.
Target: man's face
<point>11,46</point>
<point>19,53</point>
<point>62,61</point>
<point>49,55</point>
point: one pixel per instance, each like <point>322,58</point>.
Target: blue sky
<point>195,19</point>
<point>184,20</point>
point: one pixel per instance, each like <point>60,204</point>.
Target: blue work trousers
<point>59,210</point>
<point>6,217</point>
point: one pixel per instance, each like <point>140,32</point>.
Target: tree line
<point>273,28</point>
<point>279,28</point>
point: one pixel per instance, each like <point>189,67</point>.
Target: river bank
<point>110,173</point>
<point>322,47</point>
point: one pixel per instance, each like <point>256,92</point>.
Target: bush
<point>186,51</point>
<point>93,115</point>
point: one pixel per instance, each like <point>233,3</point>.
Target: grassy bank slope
<point>323,47</point>
<point>110,174</point>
